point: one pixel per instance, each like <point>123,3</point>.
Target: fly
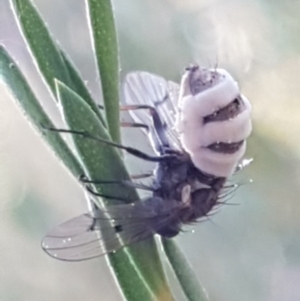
<point>198,131</point>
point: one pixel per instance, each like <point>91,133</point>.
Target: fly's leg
<point>125,183</point>
<point>153,135</point>
<point>135,107</point>
<point>142,176</point>
<point>130,150</point>
<point>160,128</point>
<point>135,125</point>
<point>109,197</point>
<point>159,137</point>
<point>86,183</point>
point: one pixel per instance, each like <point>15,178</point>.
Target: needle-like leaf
<point>11,75</point>
<point>184,272</point>
<point>138,267</point>
<point>104,38</point>
<point>51,61</point>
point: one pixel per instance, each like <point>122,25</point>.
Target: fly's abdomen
<point>213,120</point>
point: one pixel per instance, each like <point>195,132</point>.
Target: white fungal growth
<point>215,89</point>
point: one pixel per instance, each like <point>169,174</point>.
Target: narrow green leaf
<point>138,267</point>
<point>80,87</point>
<point>104,39</point>
<point>15,81</point>
<point>44,49</point>
<point>184,272</point>
<point>103,162</point>
<point>51,60</point>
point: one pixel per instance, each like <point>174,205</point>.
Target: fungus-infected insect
<point>198,131</point>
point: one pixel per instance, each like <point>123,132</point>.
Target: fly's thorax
<point>171,176</point>
<point>213,120</point>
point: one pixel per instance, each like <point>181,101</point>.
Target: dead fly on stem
<point>198,131</point>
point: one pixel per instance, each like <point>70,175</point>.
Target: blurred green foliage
<point>247,252</point>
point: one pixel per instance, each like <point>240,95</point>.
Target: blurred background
<point>246,252</point>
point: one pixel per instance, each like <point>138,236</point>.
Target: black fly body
<point>198,132</point>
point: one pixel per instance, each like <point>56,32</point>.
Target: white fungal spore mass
<point>213,120</point>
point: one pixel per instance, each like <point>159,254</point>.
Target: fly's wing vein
<point>88,236</point>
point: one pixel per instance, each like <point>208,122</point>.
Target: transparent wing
<point>143,88</point>
<point>88,236</point>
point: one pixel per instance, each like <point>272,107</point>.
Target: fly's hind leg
<point>133,151</point>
